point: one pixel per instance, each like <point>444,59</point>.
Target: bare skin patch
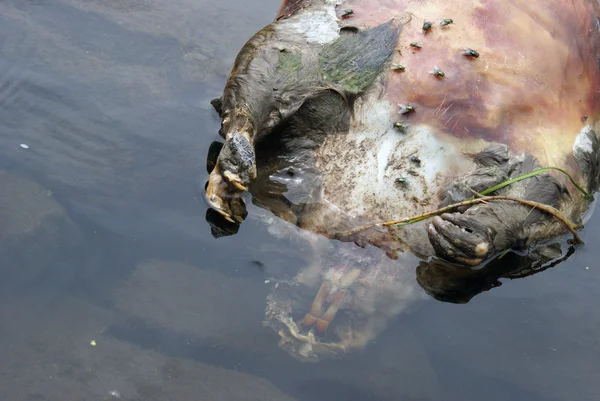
<point>512,93</point>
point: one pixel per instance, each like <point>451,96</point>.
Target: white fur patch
<point>318,24</point>
<point>583,143</point>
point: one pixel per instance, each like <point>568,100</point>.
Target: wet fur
<point>305,107</point>
<point>500,225</point>
<point>282,83</point>
<point>276,73</point>
<point>263,88</point>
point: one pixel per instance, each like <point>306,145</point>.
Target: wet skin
<point>282,81</point>
<point>309,112</point>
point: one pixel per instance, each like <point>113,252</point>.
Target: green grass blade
<point>533,174</point>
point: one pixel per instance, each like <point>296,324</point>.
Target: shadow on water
<point>110,276</point>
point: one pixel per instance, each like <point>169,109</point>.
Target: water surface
<point>111,99</point>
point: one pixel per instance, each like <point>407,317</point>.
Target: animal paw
<point>461,238</point>
<point>224,199</point>
<point>237,162</point>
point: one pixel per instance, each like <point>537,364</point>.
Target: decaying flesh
<point>318,127</point>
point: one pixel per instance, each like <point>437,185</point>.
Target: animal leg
<point>281,78</point>
<point>492,170</point>
<point>333,292</point>
<point>473,235</point>
<point>228,203</point>
<point>316,309</point>
<point>336,302</point>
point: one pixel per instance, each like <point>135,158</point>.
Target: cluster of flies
<point>437,72</point>
<point>406,108</point>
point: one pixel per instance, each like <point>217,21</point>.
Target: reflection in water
<point>440,279</point>
<point>102,239</point>
<point>319,179</point>
<point>347,295</point>
<point>219,227</point>
<point>449,283</point>
<point>368,289</point>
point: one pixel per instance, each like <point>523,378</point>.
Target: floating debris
<point>471,53</point>
<point>584,118</point>
<point>406,108</point>
<point>417,45</point>
<point>415,159</point>
<point>267,281</point>
<point>427,26</point>
<point>93,343</point>
<point>446,22</point>
<point>437,72</point>
<point>398,67</point>
<point>401,180</point>
<point>24,146</point>
<point>347,13</point>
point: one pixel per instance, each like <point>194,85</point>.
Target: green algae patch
<point>354,61</point>
<point>289,63</point>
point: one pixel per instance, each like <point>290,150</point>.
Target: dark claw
<point>223,199</point>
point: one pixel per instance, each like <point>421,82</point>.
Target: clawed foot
<point>461,238</point>
<point>237,162</point>
<point>225,199</point>
<point>234,170</point>
<point>472,236</point>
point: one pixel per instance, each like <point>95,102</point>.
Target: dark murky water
<point>105,241</point>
